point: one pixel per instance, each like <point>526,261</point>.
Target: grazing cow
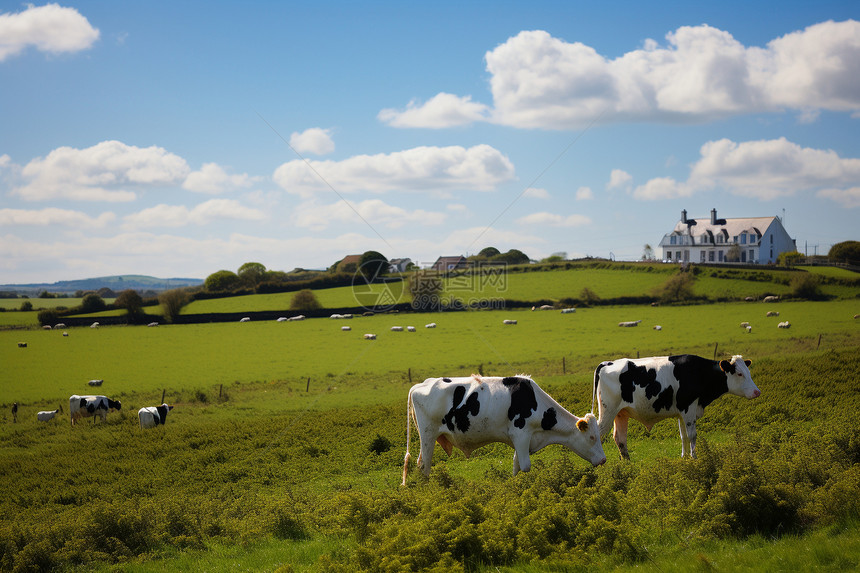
<point>47,415</point>
<point>86,406</point>
<point>22,345</point>
<point>772,313</point>
<point>509,321</point>
<point>651,389</point>
<point>152,416</point>
<point>474,411</point>
<point>433,324</point>
<point>785,324</point>
<point>630,323</point>
<point>370,337</point>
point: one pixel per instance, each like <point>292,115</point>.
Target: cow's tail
<point>408,456</point>
<point>596,381</point>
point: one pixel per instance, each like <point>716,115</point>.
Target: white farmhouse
<point>759,240</point>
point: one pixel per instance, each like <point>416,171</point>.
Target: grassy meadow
<point>284,450</point>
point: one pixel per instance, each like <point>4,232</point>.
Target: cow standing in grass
<point>652,389</point>
<point>471,412</point>
<point>86,406</point>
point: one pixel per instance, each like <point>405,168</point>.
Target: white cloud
<point>849,198</point>
<point>53,216</point>
<point>619,179</point>
<point>554,220</point>
<point>102,172</point>
<point>584,194</point>
<point>212,178</point>
<point>765,170</point>
<point>442,110</point>
<point>457,207</point>
<point>536,193</point>
<point>50,28</point>
<point>373,212</point>
<point>427,169</point>
<point>662,188</point>
<point>315,140</point>
<point>179,215</point>
<point>701,73</point>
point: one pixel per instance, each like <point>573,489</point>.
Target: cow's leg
<point>620,433</point>
<point>425,458</point>
<point>688,437</point>
<point>522,459</point>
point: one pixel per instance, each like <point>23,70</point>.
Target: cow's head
<point>738,377</point>
<point>584,440</point>
<point>114,404</point>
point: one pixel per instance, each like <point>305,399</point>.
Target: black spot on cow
<point>549,420</point>
<point>639,376</point>
<point>597,373</point>
<point>162,414</point>
<point>698,379</point>
<point>664,400</point>
<point>523,401</point>
<point>458,415</point>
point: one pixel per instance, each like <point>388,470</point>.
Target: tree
<point>733,255</point>
<point>788,258</point>
<point>372,265</point>
<point>305,299</point>
<point>131,301</point>
<point>678,288</point>
<point>805,285</point>
<point>172,302</point>
<point>26,306</point>
<point>222,281</point>
<point>489,253</point>
<point>846,251</point>
<point>252,274</point>
<point>647,253</point>
<point>92,303</point>
<point>513,257</point>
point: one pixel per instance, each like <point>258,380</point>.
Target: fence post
<point>716,344</point>
<point>563,366</point>
<point>819,342</point>
<point>410,375</point>
<point>162,395</point>
<point>308,387</point>
<point>220,390</point>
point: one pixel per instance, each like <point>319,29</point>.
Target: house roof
<point>726,227</point>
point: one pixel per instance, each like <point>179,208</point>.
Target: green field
<point>285,446</point>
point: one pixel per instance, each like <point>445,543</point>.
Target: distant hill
<point>116,283</point>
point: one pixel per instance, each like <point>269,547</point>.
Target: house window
<point>672,240</point>
<point>771,253</point>
<point>735,239</point>
<point>743,256</point>
<point>711,256</point>
<point>771,240</point>
<point>752,255</point>
<point>702,255</point>
<point>719,239</point>
<point>743,238</point>
<point>720,256</point>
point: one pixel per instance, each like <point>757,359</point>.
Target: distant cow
<point>471,412</point>
<point>152,416</point>
<point>651,389</point>
<point>47,415</point>
<point>86,406</point>
<point>22,345</point>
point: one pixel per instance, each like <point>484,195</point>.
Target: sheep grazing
<point>410,329</point>
<point>785,324</point>
<point>568,310</point>
<point>433,325</point>
<point>245,319</point>
<point>151,324</point>
<point>94,325</point>
<point>630,323</point>
<point>346,328</point>
<point>658,327</point>
<point>509,321</point>
<point>282,319</point>
<point>396,329</point>
<point>370,337</point>
<point>771,298</point>
<point>47,415</point>
<point>772,313</point>
<point>95,382</point>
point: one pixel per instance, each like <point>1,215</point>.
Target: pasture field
<point>44,303</point>
<point>278,472</point>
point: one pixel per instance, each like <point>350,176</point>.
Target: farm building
<point>752,240</point>
<point>399,265</point>
<point>444,264</point>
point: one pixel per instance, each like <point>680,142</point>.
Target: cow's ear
<point>582,425</point>
<point>726,366</point>
<point>747,362</point>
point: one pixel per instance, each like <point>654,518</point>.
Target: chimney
<point>713,216</point>
<point>683,215</point>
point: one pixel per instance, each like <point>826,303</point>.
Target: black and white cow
<point>474,411</point>
<point>652,389</point>
<point>86,406</point>
<point>152,416</point>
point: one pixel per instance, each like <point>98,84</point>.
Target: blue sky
<point>177,139</point>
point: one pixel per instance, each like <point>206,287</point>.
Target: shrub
<point>588,297</point>
<point>92,303</point>
<point>805,285</point>
<point>26,306</point>
<point>678,288</point>
<point>172,302</point>
<point>305,299</point>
